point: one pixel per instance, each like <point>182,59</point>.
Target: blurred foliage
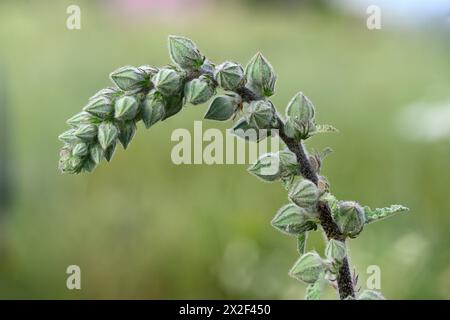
<point>141,227</point>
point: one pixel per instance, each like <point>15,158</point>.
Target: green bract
<point>222,108</point>
<point>100,107</point>
<point>260,76</point>
<point>371,295</point>
<point>107,134</point>
<point>293,220</point>
<point>260,115</point>
<point>336,250</point>
<point>126,108</point>
<point>152,109</point>
<point>184,53</point>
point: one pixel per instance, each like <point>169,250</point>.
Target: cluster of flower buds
<point>153,94</point>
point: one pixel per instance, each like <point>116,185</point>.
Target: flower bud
<point>335,250</point>
<point>68,136</point>
<point>126,108</point>
<point>100,107</point>
<point>129,78</point>
<point>82,118</point>
<point>80,149</point>
<point>184,53</point>
<point>308,268</point>
<point>260,114</point>
<point>167,81</point>
<point>152,109</point>
<point>149,71</point>
<point>109,92</point>
<point>199,90</point>
<point>300,114</point>
<point>293,220</point>
<point>107,134</point>
<point>260,75</point>
<point>229,75</point>
<point>109,152</point>
<point>86,132</point>
<point>267,167</point>
<point>71,165</point>
<point>350,218</point>
<point>88,165</point>
<point>371,295</point>
<point>288,163</point>
<point>304,193</point>
<point>127,130</point>
<point>96,153</point>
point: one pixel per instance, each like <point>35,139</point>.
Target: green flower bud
<point>129,78</point>
<point>300,114</point>
<point>260,114</point>
<point>100,107</point>
<point>184,53</point>
<point>299,131</point>
<point>371,295</point>
<point>293,220</point>
<point>126,108</point>
<point>80,149</point>
<point>71,165</point>
<point>96,153</point>
<point>260,75</point>
<point>222,107</point>
<point>68,136</point>
<point>199,90</point>
<point>308,268</point>
<point>127,131</point>
<point>335,250</point>
<point>152,109</point>
<point>304,193</point>
<point>86,132</point>
<point>82,118</point>
<point>107,134</point>
<point>288,163</point>
<point>267,167</point>
<point>167,81</point>
<point>208,67</point>
<point>172,105</point>
<point>350,218</point>
<point>229,75</point>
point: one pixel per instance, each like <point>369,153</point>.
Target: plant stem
<point>344,277</point>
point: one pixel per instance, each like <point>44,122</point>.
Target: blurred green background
<point>142,227</point>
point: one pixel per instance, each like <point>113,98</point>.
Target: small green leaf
<point>292,220</point>
<point>107,134</point>
<point>373,215</point>
<point>221,108</point>
<point>267,167</point>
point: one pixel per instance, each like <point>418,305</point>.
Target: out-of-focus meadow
<point>142,227</point>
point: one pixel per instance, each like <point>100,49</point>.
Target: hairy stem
<point>344,278</point>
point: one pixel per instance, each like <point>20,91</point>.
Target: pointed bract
<point>184,53</point>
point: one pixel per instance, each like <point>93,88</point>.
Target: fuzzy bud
<point>229,75</point>
<point>350,218</point>
<point>80,149</point>
<point>199,90</point>
<point>304,193</point>
<point>127,131</point>
<point>260,75</point>
<point>167,81</point>
<point>335,250</point>
<point>86,132</point>
<point>129,78</point>
<point>82,118</point>
<point>184,53</point>
<point>107,134</point>
<point>260,114</point>
<point>96,153</point>
<point>308,268</point>
<point>293,220</point>
<point>222,107</point>
<point>152,109</point>
<point>371,295</point>
<point>100,107</point>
